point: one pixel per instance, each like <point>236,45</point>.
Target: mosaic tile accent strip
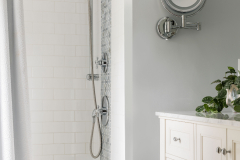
<point>106,77</point>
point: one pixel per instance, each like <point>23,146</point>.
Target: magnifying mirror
<point>167,27</point>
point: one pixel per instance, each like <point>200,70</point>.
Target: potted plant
<point>228,94</point>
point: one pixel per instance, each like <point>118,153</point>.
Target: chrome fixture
<point>89,77</point>
<point>219,150</point>
<point>176,139</point>
<point>96,111</point>
<point>105,113</point>
<point>224,151</point>
<point>103,62</point>
<point>102,111</point>
<point>167,27</point>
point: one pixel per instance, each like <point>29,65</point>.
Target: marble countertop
<point>224,118</point>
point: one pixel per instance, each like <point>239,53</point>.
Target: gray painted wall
<point>176,74</point>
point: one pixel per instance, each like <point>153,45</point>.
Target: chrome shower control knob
<point>219,150</point>
<point>96,63</point>
<point>224,151</point>
<point>176,139</point>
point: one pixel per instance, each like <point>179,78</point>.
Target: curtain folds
<point>15,136</point>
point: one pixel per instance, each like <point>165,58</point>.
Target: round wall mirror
<point>184,3</point>
<point>183,7</point>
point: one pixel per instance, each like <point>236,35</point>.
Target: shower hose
<point>93,87</point>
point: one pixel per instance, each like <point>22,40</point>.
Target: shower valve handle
<point>97,63</point>
<point>101,62</point>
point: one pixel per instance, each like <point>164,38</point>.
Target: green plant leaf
<point>237,108</point>
<point>231,77</point>
<point>207,99</point>
<point>222,93</point>
<point>230,68</point>
<point>226,116</point>
<point>227,84</point>
<point>237,80</point>
<point>236,102</point>
<point>219,108</point>
<point>224,82</point>
<point>231,71</point>
<point>219,87</point>
<point>217,81</point>
<point>200,108</point>
<point>239,72</point>
<point>207,109</point>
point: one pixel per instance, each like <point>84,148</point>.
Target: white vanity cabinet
<point>186,136</point>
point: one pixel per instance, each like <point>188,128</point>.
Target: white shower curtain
<point>15,134</point>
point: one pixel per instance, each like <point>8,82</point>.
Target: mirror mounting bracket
<point>167,27</point>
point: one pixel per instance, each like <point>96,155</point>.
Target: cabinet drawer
<point>179,139</point>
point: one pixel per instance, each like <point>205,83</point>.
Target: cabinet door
<point>233,145</point>
<point>208,140</point>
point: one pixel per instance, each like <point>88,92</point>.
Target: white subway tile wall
<point>61,98</point>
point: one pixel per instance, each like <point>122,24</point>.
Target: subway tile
<point>89,105</point>
<point>52,149</point>
<point>65,50</point>
<point>83,116</point>
<point>75,105</point>
<point>41,116</point>
<point>42,6</point>
<point>65,7</point>
<point>75,83</point>
<point>53,61</point>
<point>53,83</point>
<point>74,148</point>
<point>63,94</point>
<point>64,72</point>
<point>88,126</point>
<point>37,150</point>
<point>82,137</point>
<point>75,62</point>
<point>75,126</point>
<point>53,127</point>
<point>53,39</point>
<point>43,157</point>
<point>28,27</point>
<point>34,38</point>
<point>82,8</point>
<point>42,27</point>
<point>53,17</point>
<point>64,138</point>
<point>64,157</point>
<point>82,51</point>
<point>76,18</point>
<point>36,127</point>
<point>83,29</point>
<point>42,72</point>
<point>53,105</point>
<point>35,82</point>
<point>27,5</point>
<point>63,116</point>
<point>34,61</point>
<point>83,94</point>
<point>40,50</point>
<point>65,28</point>
<point>42,94</point>
<point>32,16</point>
<point>42,138</point>
<point>29,71</point>
<point>82,72</point>
<point>83,157</point>
<point>76,1</point>
<point>76,40</point>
